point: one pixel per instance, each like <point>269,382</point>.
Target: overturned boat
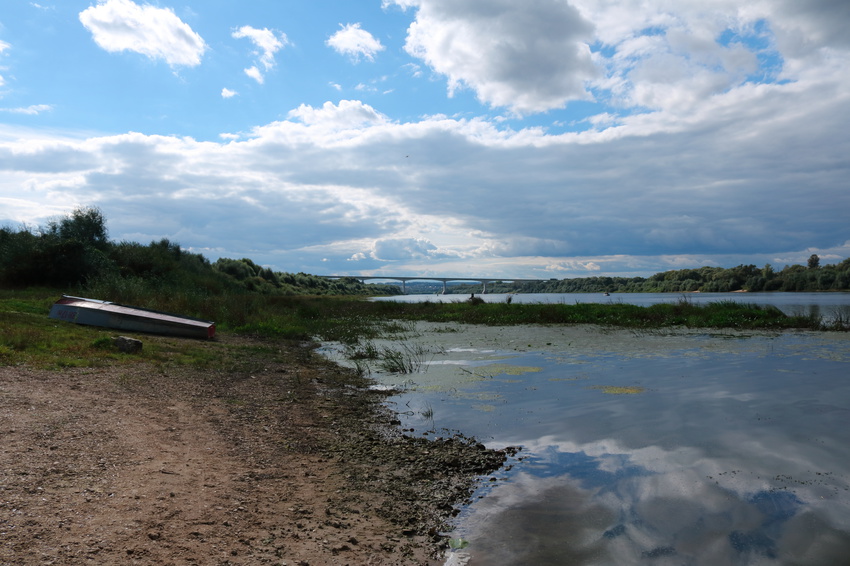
<point>93,312</point>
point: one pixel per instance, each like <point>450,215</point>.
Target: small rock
<point>128,345</point>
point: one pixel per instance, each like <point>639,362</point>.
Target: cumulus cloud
<point>529,57</point>
<point>227,93</point>
<point>157,33</point>
<point>346,114</point>
<point>266,43</point>
<point>541,55</point>
<point>355,42</point>
<point>342,181</point>
<point>715,118</point>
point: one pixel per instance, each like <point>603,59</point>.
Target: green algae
<point>620,390</point>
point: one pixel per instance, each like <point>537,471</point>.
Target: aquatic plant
<point>620,390</point>
<point>411,358</point>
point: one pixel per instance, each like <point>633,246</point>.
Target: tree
<point>85,225</point>
<point>814,261</point>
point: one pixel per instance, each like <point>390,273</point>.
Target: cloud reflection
<point>593,506</point>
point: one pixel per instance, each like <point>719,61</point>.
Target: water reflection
<point>648,449</point>
<point>595,514</point>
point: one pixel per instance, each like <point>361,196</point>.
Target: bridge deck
<point>405,278</point>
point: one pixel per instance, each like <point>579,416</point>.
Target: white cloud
<point>227,93</point>
<point>716,116</point>
<point>3,47</point>
<point>529,57</point>
<point>355,42</point>
<point>342,181</point>
<point>365,88</point>
<point>31,110</point>
<point>391,249</point>
<point>255,74</point>
<point>157,33</point>
<point>536,56</point>
<point>266,43</point>
<point>347,114</point>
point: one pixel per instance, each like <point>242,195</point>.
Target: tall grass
<point>410,358</point>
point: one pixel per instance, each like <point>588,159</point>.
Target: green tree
<point>814,261</point>
<point>85,225</point>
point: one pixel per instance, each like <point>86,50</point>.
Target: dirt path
<point>282,465</point>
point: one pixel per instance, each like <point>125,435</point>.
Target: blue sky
<point>539,139</point>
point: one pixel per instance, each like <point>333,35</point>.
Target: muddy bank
<point>281,458</point>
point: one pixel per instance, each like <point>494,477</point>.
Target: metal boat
<point>93,312</point>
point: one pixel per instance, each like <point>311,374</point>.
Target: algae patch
<point>505,369</point>
<point>620,390</point>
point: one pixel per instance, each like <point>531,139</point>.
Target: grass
<point>28,336</point>
<point>411,358</point>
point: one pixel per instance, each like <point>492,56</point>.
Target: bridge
<point>444,280</point>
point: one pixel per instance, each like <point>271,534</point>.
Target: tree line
<point>74,252</point>
<point>810,277</point>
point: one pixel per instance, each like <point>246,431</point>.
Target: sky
<point>468,138</point>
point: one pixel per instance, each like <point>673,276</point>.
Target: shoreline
<point>279,459</point>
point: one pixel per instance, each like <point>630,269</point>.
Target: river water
<point>663,448</point>
<point>827,305</point>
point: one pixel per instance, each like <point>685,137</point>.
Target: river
<point>664,448</point>
<point>827,305</point>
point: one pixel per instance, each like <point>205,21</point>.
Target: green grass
<point>724,314</point>
<point>28,336</point>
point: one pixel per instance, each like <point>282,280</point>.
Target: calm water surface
<point>820,304</point>
<point>643,448</point>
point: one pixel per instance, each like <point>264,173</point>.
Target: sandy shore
<point>285,461</point>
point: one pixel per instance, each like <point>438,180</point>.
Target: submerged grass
<point>620,390</point>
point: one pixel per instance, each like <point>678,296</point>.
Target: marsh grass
<point>839,321</point>
<point>402,357</point>
<point>410,358</point>
<point>362,351</point>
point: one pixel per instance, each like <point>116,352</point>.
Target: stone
<point>128,345</point>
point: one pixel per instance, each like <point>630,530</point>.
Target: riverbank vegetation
<point>791,278</point>
<point>74,252</point>
<point>28,336</point>
<point>73,255</point>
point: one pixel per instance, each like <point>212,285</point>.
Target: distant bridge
<point>444,280</point>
